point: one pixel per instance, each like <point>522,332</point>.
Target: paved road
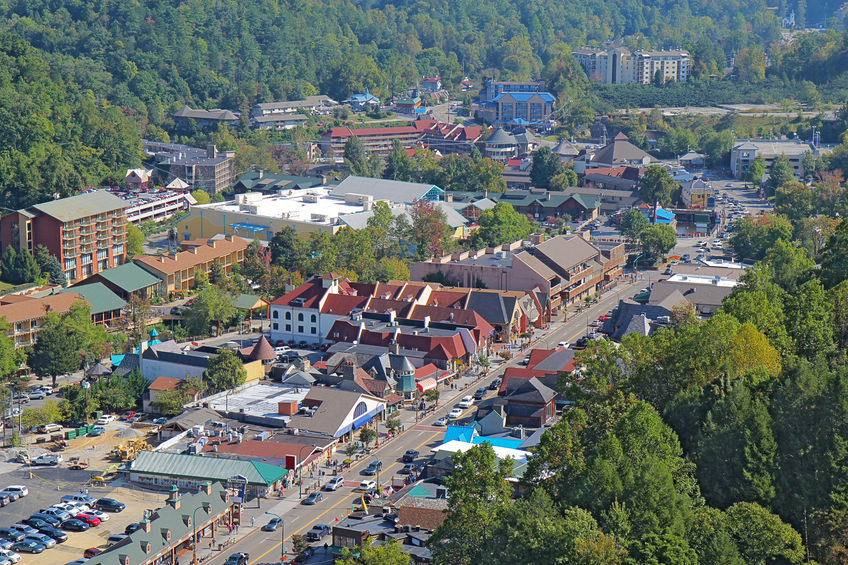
<point>264,547</point>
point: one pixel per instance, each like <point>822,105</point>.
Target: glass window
<point>288,327</point>
<point>314,330</point>
<point>102,254</point>
<point>300,329</point>
<point>314,318</point>
<point>288,315</point>
<point>275,325</point>
<point>300,317</point>
<point>276,314</point>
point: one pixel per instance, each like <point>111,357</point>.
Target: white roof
<point>313,205</point>
<point>703,279</point>
<point>177,184</point>
<point>456,445</point>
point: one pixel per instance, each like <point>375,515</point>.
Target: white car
<point>282,350</point>
<point>334,483</point>
<point>18,491</point>
<point>99,513</point>
<point>563,345</point>
<point>68,507</point>
<point>367,485</point>
<point>466,402</point>
<point>106,419</point>
<point>47,389</point>
<point>455,414</point>
<point>10,555</point>
<point>37,395</point>
<point>47,459</point>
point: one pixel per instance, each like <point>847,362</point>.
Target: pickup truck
<point>318,532</point>
<point>47,459</point>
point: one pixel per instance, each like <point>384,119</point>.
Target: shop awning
<point>426,384</point>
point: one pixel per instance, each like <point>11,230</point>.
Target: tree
<point>225,371</point>
<point>19,267</point>
<point>567,178</point>
<point>657,240</point>
<point>54,352</point>
<point>755,171</point>
<point>501,224</point>
<point>367,436</point>
<point>750,64</point>
<point>170,403</point>
<point>546,165</point>
<point>790,265</point>
<point>388,553</point>
<point>257,261</point>
<point>135,241</point>
<point>478,494</point>
<point>633,223</point>
<point>391,269</point>
<point>49,413</point>
<point>393,424</point>
<point>359,160</point>
<point>217,275</point>
<point>809,320</point>
<point>657,185</point>
<point>137,313</point>
<point>429,231</point>
<point>781,172</point>
<point>432,395</point>
<point>211,306</point>
<point>201,196</point>
<point>49,265</point>
<point>834,257</point>
<point>752,237</point>
<point>762,537</point>
<point>400,165</point>
<point>288,250</point>
<point>10,357</point>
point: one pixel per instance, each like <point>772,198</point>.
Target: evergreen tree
<point>49,265</point>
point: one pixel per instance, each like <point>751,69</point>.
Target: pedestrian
<point>326,547</point>
<point>252,521</point>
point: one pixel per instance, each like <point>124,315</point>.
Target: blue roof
<point>506,442</point>
<point>116,360</point>
<point>664,214</point>
<point>461,433</point>
<point>248,227</point>
<point>525,96</point>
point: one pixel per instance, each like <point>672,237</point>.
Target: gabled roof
<point>532,391</point>
<point>310,292</point>
<point>566,251</point>
<point>165,383</point>
<point>19,308</point>
<point>619,151</point>
<point>191,258</point>
<point>196,467</point>
<point>565,149</point>
<point>448,298</point>
<point>81,205</point>
<point>382,189</point>
<point>99,296</point>
<point>129,277</point>
<point>491,306</point>
<point>342,304</point>
<point>199,114</point>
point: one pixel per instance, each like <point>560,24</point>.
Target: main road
<point>264,547</point>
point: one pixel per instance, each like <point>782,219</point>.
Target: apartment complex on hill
<point>87,233</point>
<point>619,65</point>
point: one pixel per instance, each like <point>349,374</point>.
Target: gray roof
<point>705,297</point>
<point>556,360</point>
<point>618,151</point>
<point>565,251</point>
<point>81,205</point>
<point>565,149</point>
<point>531,390</point>
<point>199,114</point>
<point>382,189</point>
<point>490,305</point>
<point>534,263</point>
<point>500,137</point>
<point>285,117</point>
<point>335,407</point>
<point>482,204</point>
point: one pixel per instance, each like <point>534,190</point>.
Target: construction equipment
<point>107,475</point>
<point>129,451</point>
<point>59,445</point>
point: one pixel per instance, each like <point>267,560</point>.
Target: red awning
<point>426,384</point>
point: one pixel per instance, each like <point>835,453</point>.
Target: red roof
<point>165,383</point>
<point>513,163</point>
<point>428,370</point>
<point>447,298</point>
<point>342,304</point>
<point>416,127</point>
<point>384,306</point>
<point>629,173</point>
<point>537,356</point>
<point>311,291</point>
<point>432,79</point>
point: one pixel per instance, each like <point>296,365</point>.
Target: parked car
<point>313,498</point>
<point>237,559</point>
<point>160,420</point>
<point>11,534</point>
<point>10,555</point>
<point>52,521</point>
<point>455,414</point>
<point>5,499</point>
<point>36,523</point>
<point>28,546</point>
<point>49,428</point>
<point>54,533</point>
<point>69,507</point>
<point>562,345</point>
<point>373,468</point>
<point>282,350</point>
<point>105,419</point>
<point>466,402</point>
<point>109,505</point>
<point>272,525</point>
<point>495,384</point>
<point>334,483</point>
<point>115,538</point>
<point>128,415</point>
<point>89,519</point>
<point>84,498</point>
<point>443,421</point>
<point>367,485</point>
<point>43,539</point>
<point>48,459</point>
<point>91,552</point>
<point>74,525</point>
<point>133,527</point>
<point>37,395</point>
<point>409,456</point>
<point>57,513</point>
<point>25,529</point>
<point>318,532</point>
<point>47,389</point>
<point>409,469</point>
<point>96,431</point>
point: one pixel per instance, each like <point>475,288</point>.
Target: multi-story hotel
<point>618,65</point>
<point>87,233</point>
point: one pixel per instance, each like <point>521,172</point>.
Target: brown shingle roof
<point>214,249</point>
<point>165,383</point>
<point>18,309</point>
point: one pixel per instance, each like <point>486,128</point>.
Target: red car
<point>89,519</point>
<point>130,414</point>
<point>603,317</point>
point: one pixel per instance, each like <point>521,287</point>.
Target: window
<point>86,271</point>
<point>118,249</point>
<point>288,315</point>
<point>314,331</point>
<point>288,327</point>
<point>70,264</point>
<point>300,329</point>
<point>275,325</point>
<point>300,317</point>
<point>276,314</point>
<point>102,254</point>
<point>103,265</point>
<point>314,318</point>
<point>71,274</point>
<point>86,259</point>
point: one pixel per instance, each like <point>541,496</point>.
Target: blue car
<point>98,431</point>
<point>27,546</point>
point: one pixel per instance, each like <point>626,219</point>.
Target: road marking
<point>350,498</point>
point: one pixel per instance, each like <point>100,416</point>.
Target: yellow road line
<point>350,498</point>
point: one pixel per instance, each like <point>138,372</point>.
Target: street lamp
<point>205,506</point>
<point>283,535</point>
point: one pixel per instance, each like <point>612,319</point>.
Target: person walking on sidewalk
<point>252,521</point>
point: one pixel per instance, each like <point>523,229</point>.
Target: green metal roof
<point>246,301</point>
<point>101,298</point>
<point>130,277</point>
<point>199,467</point>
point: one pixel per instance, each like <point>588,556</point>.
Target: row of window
<point>313,330</point>
<point>300,318</point>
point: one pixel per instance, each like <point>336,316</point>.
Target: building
<point>204,119</point>
<point>518,109</point>
<point>164,469</point>
<point>622,178</point>
<point>697,194</point>
<point>87,233</point>
<point>408,105</point>
<point>386,190</point>
<point>451,138</point>
<point>176,269</point>
<point>155,205</point>
<point>453,219</point>
<point>376,140</point>
<point>138,179</point>
<point>744,152</point>
<point>317,104</point>
<point>431,84</point>
<point>362,102</point>
<point>610,200</point>
<point>25,314</point>
<point>493,88</point>
<point>169,359</point>
<point>529,405</point>
<point>278,122</point>
<point>360,529</point>
<point>619,65</point>
<point>500,146</point>
<point>202,170</point>
<point>263,181</point>
<point>619,152</point>
<point>337,413</point>
<point>128,280</point>
<point>106,306</point>
<point>167,532</point>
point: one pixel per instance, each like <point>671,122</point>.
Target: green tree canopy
<point>211,306</point>
<point>657,240</point>
<point>633,223</point>
<point>546,165</point>
<point>226,371</point>
<point>656,185</point>
<point>501,224</point>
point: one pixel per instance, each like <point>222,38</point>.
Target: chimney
<point>173,499</point>
<point>206,487</point>
<point>261,174</point>
<point>210,243</point>
<point>211,151</point>
<point>161,258</point>
<point>193,250</point>
<point>547,195</point>
<point>287,408</point>
<point>229,237</point>
<point>426,321</point>
<point>147,526</point>
<point>166,534</point>
<point>124,559</point>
